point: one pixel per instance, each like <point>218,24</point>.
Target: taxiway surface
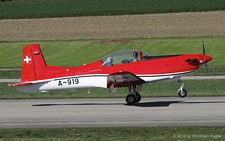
<point>111,112</point>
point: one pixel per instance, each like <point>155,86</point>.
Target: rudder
<point>33,63</point>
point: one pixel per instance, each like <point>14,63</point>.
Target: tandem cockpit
<point>124,57</point>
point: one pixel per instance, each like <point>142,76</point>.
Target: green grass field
<point>77,52</point>
<point>116,134</point>
<point>71,8</point>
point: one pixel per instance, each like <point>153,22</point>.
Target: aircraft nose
<point>206,58</point>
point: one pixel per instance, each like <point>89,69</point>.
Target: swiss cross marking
<point>27,60</point>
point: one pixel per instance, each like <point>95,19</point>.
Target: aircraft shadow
<point>167,103</point>
<point>155,104</point>
<point>78,104</point>
<point>141,104</point>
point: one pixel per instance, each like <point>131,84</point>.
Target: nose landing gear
<point>181,92</point>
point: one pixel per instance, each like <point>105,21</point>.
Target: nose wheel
<point>181,92</point>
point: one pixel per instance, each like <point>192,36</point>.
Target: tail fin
<point>33,63</point>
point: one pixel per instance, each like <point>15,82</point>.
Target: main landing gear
<point>133,97</point>
<point>181,92</point>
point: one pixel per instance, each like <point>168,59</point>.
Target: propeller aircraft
<point>129,68</point>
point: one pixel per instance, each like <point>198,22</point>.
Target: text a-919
<point>69,81</point>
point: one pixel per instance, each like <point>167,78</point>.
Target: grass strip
<point>10,74</point>
<point>116,134</point>
<point>155,89</point>
<point>71,8</point>
<point>77,52</point>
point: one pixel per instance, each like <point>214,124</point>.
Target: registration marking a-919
<point>69,81</point>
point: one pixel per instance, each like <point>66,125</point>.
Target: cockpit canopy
<point>124,57</point>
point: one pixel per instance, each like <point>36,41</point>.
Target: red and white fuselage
<point>38,77</point>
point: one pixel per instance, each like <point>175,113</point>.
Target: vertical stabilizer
<point>33,63</point>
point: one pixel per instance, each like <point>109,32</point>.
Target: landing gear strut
<point>181,92</point>
<point>133,97</point>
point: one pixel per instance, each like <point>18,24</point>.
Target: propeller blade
<point>203,49</point>
<point>203,46</point>
<point>206,66</point>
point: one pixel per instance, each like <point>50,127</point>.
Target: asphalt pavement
<point>112,112</point>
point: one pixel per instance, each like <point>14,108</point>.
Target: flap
<point>120,79</point>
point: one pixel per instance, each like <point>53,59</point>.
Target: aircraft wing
<point>123,79</point>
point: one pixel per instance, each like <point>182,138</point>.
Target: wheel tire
<point>182,95</point>
<point>130,99</point>
<point>138,97</point>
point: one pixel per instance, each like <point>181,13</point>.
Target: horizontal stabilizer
<point>18,84</point>
<point>29,83</point>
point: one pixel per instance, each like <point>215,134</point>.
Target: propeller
<point>203,46</point>
<point>203,49</point>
